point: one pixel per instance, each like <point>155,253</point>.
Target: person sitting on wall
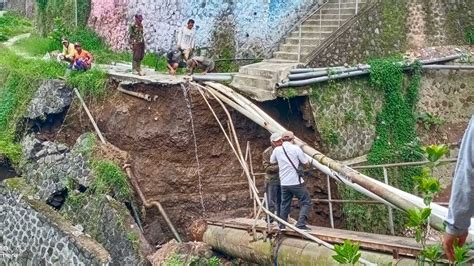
<point>206,64</point>
<point>174,60</point>
<point>82,59</point>
<point>186,39</point>
<point>68,51</point>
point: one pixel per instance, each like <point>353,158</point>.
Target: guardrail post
<point>357,7</point>
<point>390,213</point>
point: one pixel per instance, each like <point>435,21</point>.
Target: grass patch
<point>36,45</point>
<point>91,83</point>
<point>110,179</point>
<point>12,24</point>
<point>19,80</point>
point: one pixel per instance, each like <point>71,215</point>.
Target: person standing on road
<point>186,39</point>
<point>289,157</point>
<point>272,179</point>
<point>137,43</point>
<point>461,203</point>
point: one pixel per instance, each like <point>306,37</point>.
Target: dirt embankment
<point>160,140</point>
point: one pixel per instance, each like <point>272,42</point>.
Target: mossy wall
<point>345,111</point>
<point>391,27</point>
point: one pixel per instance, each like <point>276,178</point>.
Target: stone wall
<point>390,26</point>
<point>345,111</point>
<point>259,25</point>
<point>24,7</point>
<point>32,233</point>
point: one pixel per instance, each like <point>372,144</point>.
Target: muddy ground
<point>159,138</point>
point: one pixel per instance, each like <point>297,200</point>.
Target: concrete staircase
<point>258,80</point>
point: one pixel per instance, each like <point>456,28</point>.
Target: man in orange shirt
<point>82,58</point>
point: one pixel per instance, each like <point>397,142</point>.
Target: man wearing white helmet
<point>272,179</point>
<point>289,157</point>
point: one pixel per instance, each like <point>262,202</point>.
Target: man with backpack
<point>289,158</point>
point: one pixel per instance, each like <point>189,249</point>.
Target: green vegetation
<point>429,120</point>
<point>12,24</point>
<point>334,115</point>
<point>110,179</point>
<point>19,80</point>
<point>470,35</point>
<point>418,218</point>
<point>396,141</point>
<point>174,260</point>
<point>36,45</point>
<point>347,253</point>
<point>393,30</point>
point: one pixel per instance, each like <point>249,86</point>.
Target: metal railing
<point>311,14</point>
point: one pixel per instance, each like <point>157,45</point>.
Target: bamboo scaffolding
<point>237,151</point>
<point>373,188</point>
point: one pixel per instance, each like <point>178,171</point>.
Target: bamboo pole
<point>240,158</point>
<point>398,198</point>
<point>102,139</point>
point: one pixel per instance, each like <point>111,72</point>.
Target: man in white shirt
<point>186,39</point>
<point>292,185</point>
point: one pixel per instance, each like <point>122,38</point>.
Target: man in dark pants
<point>137,43</point>
<point>289,157</point>
<point>272,180</point>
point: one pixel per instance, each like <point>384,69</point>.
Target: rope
<point>240,157</point>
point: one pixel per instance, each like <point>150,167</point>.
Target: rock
<point>51,98</point>
<point>188,253</point>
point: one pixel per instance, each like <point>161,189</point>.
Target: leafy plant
<point>347,253</point>
<point>418,220</point>
<point>429,120</point>
<point>460,254</point>
<point>433,153</point>
<point>432,253</point>
<point>214,261</point>
<point>174,260</point>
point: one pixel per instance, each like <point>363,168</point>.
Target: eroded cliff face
<point>186,163</point>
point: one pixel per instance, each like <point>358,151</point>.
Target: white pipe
<point>438,211</point>
<point>254,189</point>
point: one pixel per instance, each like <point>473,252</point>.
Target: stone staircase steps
<point>335,11</point>
<point>351,4</point>
<point>289,56</point>
<point>294,48</point>
<point>343,17</point>
<point>258,80</point>
<point>326,22</point>
<point>314,28</point>
<point>304,41</point>
<point>310,34</point>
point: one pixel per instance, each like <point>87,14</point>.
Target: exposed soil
<point>159,139</point>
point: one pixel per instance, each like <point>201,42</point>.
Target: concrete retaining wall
<point>259,25</point>
<point>31,233</point>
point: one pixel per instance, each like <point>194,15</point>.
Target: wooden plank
<point>382,243</point>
